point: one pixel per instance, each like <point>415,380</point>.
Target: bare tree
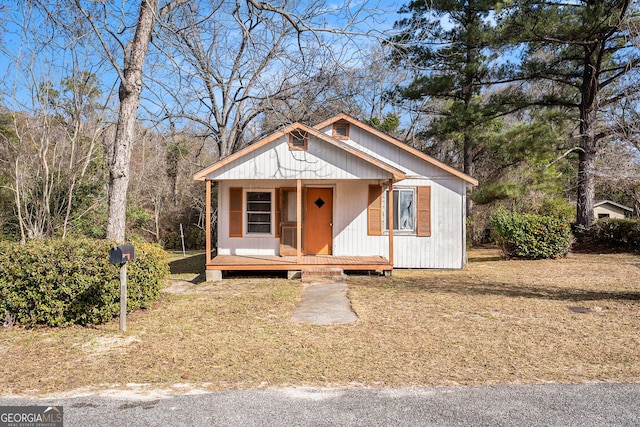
<point>360,90</point>
<point>48,139</point>
<point>232,63</point>
<point>45,161</point>
<point>228,59</point>
<point>124,44</point>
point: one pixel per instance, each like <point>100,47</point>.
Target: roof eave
<point>342,116</point>
<point>202,175</point>
<point>397,174</point>
<point>602,202</point>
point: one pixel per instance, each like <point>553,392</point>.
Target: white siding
<point>350,224</point>
<point>248,245</point>
<point>321,161</point>
<point>445,248</point>
<point>390,154</point>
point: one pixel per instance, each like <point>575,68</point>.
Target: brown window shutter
<point>424,211</point>
<point>374,211</point>
<point>235,212</point>
<point>277,209</point>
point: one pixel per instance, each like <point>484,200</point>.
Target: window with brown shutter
<point>259,212</point>
<point>374,211</point>
<point>424,211</point>
<point>235,212</point>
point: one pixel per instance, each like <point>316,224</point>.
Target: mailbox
<point>121,254</point>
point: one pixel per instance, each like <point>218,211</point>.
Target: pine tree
<point>447,45</point>
<point>589,51</point>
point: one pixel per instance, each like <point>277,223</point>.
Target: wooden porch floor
<point>265,262</point>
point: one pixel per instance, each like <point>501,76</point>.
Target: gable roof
<point>399,144</point>
<point>395,172</point>
<point>609,202</point>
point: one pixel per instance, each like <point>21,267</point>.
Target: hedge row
<point>614,234</point>
<point>530,236</point>
<point>66,282</point>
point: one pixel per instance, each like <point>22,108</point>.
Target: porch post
<point>390,211</point>
<point>207,226</point>
<point>299,221</point>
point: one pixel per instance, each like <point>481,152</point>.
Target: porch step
<point>333,273</point>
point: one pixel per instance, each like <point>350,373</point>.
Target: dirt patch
<point>101,345</point>
<point>177,286</point>
<point>132,391</point>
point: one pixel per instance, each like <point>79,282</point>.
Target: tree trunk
<point>467,95</point>
<point>18,199</point>
<point>586,187</point>
<point>588,140</point>
<point>129,93</point>
<point>468,167</point>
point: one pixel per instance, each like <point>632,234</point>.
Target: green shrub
<point>194,238</point>
<point>530,236</point>
<point>65,282</point>
<point>557,207</point>
<point>613,234</point>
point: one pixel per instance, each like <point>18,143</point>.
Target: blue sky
<point>54,64</point>
<point>12,44</point>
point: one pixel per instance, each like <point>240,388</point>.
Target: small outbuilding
<point>609,209</point>
<point>339,194</point>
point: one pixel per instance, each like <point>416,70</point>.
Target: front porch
<point>221,263</point>
<point>300,238</point>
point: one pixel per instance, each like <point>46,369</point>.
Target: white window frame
<point>396,215</point>
<point>246,212</point>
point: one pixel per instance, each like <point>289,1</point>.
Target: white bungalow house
<point>340,194</point>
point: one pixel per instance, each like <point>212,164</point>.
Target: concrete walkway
<point>324,302</point>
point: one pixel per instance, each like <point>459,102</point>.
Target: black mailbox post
<point>120,255</point>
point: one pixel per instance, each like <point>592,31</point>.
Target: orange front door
<point>319,221</point>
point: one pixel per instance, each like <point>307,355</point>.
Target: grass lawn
<point>575,319</point>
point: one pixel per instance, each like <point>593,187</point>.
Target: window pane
<point>298,139</point>
<point>258,212</point>
<point>259,228</point>
<point>290,206</point>
<point>254,196</point>
<point>256,217</point>
<point>405,210</point>
<point>259,206</point>
<point>341,130</point>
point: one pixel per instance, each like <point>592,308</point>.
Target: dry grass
<point>494,322</point>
